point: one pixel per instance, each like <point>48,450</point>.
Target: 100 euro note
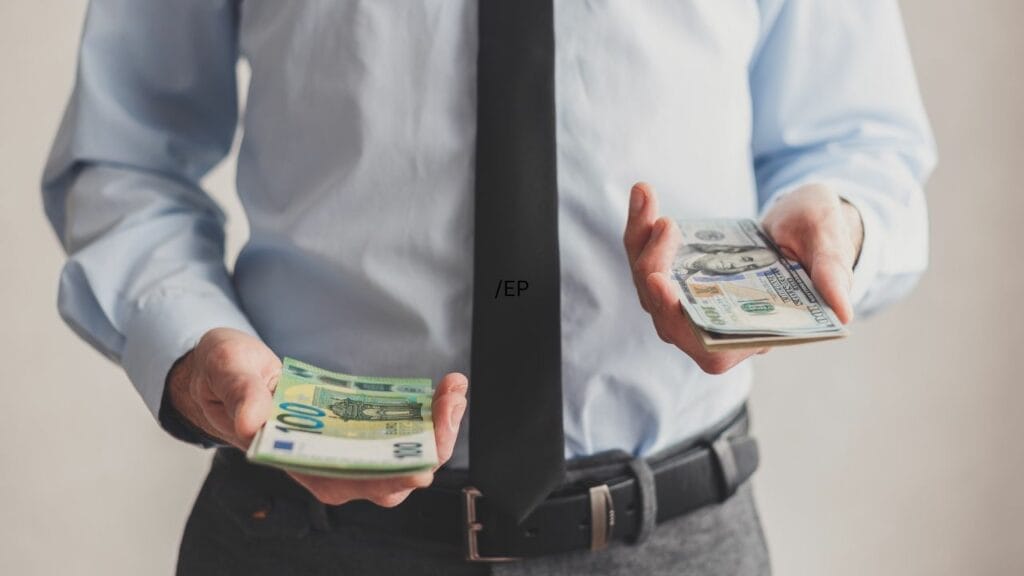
<point>739,291</point>
<point>332,424</point>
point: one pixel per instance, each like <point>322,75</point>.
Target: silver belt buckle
<point>473,527</point>
<point>602,522</point>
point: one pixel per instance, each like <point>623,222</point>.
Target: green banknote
<point>332,424</point>
<point>739,291</point>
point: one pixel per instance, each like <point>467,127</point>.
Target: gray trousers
<point>251,520</point>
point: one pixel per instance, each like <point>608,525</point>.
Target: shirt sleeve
<point>154,107</point>
<point>836,102</point>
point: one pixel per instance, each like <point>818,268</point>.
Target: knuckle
<point>225,353</point>
<point>645,265</point>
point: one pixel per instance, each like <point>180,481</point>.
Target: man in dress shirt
<point>356,173</point>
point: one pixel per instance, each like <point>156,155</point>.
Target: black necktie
<point>515,437</point>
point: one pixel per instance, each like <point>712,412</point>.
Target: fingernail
<point>636,200</point>
<point>456,417</point>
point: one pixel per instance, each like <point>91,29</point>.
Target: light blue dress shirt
<point>356,175</point>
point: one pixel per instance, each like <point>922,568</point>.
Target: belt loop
<point>602,517</point>
<point>318,518</point>
<point>648,504</point>
<point>726,464</point>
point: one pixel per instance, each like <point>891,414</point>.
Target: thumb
<point>832,277</point>
<point>252,406</point>
<point>448,407</point>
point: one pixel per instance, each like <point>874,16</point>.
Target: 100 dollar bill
<point>739,291</point>
<point>334,424</point>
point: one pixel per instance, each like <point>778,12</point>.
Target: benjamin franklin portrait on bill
<point>723,260</point>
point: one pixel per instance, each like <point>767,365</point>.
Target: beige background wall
<point>898,451</point>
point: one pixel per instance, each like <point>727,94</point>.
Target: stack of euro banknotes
<point>331,424</point>
<point>736,289</point>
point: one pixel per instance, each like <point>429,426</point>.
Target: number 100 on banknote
<point>333,424</point>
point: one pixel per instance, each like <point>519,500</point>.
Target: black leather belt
<point>612,498</point>
<point>606,497</point>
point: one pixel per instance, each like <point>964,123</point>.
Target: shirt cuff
<point>163,329</point>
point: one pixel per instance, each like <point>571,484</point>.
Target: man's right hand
<point>225,386</point>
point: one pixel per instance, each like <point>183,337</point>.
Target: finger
<point>831,267</point>
<point>656,256</point>
<point>246,398</point>
<point>449,406</point>
<point>660,250</point>
<point>237,404</point>
<point>833,279</point>
<point>669,319</point>
<point>643,210</point>
<point>252,411</point>
<point>212,408</point>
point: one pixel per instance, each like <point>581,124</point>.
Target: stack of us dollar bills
<point>739,291</point>
<point>331,424</point>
